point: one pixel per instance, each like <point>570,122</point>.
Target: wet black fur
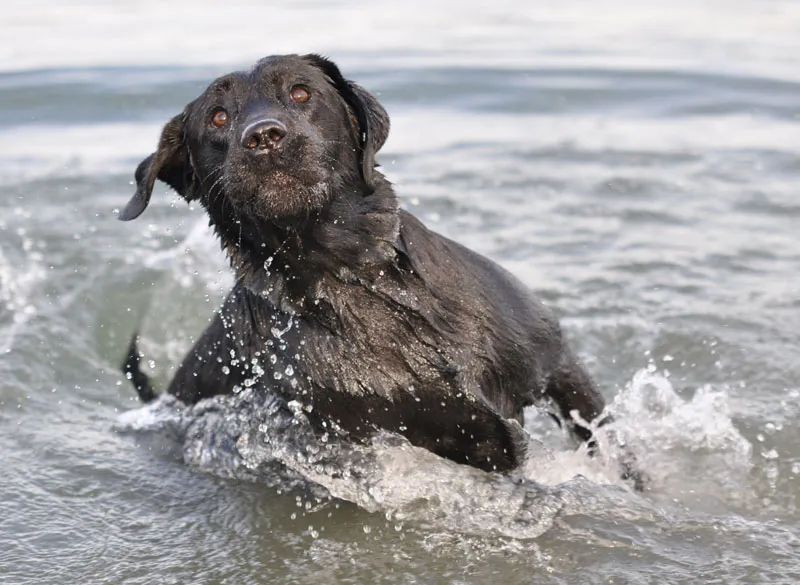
<point>343,301</point>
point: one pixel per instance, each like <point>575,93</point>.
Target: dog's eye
<point>219,118</point>
<point>299,94</point>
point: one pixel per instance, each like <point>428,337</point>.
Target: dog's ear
<point>373,121</point>
<point>169,163</point>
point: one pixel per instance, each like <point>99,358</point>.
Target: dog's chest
<point>353,342</point>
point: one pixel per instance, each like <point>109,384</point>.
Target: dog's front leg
<point>573,391</point>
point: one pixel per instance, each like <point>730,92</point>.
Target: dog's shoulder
<point>450,269</point>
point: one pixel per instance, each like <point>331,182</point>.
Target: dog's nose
<point>263,135</point>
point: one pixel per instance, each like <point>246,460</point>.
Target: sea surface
<point>636,164</point>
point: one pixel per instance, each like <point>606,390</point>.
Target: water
<point>637,166</point>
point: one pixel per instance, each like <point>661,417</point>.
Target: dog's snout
<point>263,135</point>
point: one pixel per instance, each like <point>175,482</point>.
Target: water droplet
<point>289,371</point>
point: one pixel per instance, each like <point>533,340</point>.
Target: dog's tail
<point>131,369</point>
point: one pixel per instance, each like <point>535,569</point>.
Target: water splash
<point>195,270</point>
<point>256,436</point>
<point>690,447</point>
<point>16,287</point>
<point>685,446</point>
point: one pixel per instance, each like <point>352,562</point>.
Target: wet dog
<point>344,302</point>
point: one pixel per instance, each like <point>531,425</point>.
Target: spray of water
<point>256,436</point>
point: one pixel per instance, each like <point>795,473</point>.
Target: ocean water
<point>638,166</point>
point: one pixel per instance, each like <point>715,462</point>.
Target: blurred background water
<point>638,165</point>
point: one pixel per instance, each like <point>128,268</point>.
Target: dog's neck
<point>285,260</point>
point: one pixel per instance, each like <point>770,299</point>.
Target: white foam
<point>430,133</point>
<point>36,151</point>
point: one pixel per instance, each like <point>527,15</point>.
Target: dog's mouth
<point>280,179</point>
<point>278,192</point>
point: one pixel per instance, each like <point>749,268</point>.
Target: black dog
<point>343,301</point>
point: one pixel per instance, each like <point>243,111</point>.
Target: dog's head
<point>272,143</point>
